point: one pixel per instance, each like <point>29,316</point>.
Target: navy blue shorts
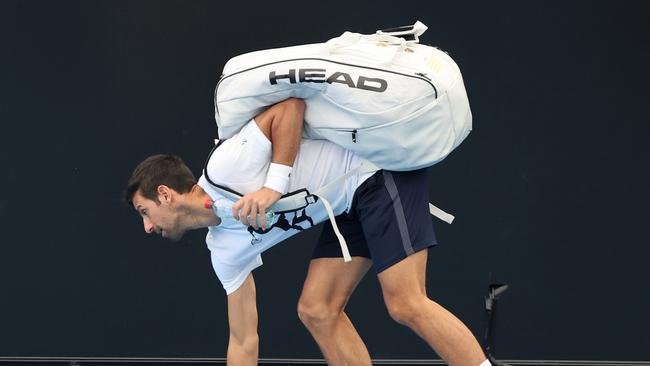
<point>388,221</point>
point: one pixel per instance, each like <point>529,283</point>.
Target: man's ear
<point>164,194</point>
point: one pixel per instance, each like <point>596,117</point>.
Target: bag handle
<point>410,33</point>
<point>380,47</point>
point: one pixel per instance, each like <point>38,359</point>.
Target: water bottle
<point>223,208</point>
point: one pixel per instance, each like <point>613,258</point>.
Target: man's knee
<point>317,313</point>
<point>406,309</point>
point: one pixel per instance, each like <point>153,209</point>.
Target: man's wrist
<point>277,177</point>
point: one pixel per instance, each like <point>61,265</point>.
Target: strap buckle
<point>311,199</point>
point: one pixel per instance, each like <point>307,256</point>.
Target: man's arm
<point>282,125</point>
<point>243,343</point>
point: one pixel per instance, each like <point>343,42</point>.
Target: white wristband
<point>278,177</point>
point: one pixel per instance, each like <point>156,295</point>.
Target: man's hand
<point>255,203</point>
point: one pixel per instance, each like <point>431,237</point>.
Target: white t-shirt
<point>241,164</point>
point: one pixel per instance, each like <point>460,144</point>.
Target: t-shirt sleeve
<point>242,161</point>
<point>233,276</point>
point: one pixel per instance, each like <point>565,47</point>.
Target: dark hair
<point>155,170</point>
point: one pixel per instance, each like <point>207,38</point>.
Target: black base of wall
<point>98,361</point>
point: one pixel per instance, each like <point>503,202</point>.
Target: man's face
<point>160,218</point>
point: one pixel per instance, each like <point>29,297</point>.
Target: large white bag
<point>397,103</point>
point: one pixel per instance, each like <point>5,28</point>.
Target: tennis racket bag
<point>397,103</point>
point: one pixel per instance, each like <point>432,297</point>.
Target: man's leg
<point>328,286</point>
<point>403,287</point>
<point>393,208</point>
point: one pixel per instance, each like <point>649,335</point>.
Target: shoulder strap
<point>289,202</point>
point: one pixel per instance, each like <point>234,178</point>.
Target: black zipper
<point>418,75</point>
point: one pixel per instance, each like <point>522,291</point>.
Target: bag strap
<point>288,202</point>
<point>365,167</point>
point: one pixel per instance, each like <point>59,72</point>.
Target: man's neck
<point>198,215</point>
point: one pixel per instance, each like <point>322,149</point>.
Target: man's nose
<point>148,226</point>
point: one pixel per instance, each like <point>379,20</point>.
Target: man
<point>387,221</point>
